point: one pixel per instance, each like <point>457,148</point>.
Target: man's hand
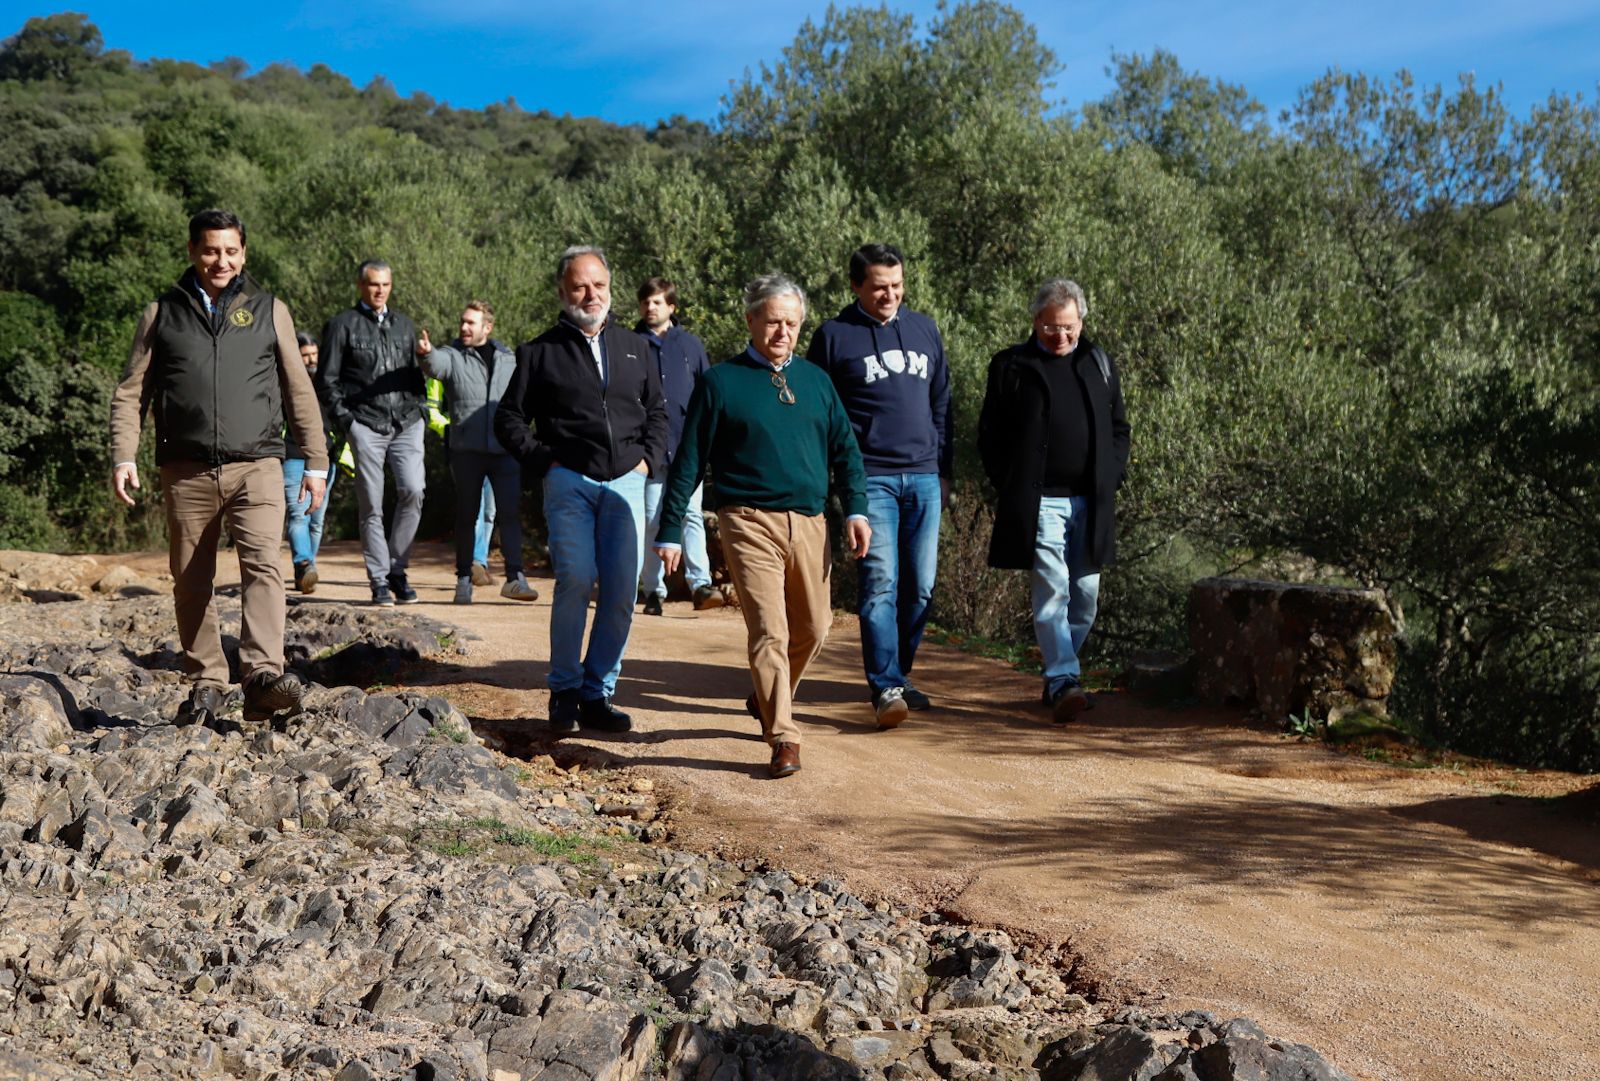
<point>670,558</point>
<point>124,477</point>
<point>424,346</point>
<point>858,534</point>
<point>313,487</point>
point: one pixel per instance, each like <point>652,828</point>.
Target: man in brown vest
<point>216,357</point>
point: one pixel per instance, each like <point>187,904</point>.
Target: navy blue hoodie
<point>681,359</point>
<point>895,385</point>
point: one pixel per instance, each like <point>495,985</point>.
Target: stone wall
<point>1292,650</point>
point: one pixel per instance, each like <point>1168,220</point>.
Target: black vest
<point>216,394</point>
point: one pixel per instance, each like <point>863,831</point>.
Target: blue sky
<point>637,62</point>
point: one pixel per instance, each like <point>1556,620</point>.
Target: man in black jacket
<point>592,394</point>
<point>1054,440</point>
<point>372,389</point>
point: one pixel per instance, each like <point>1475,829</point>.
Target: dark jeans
<point>469,468</point>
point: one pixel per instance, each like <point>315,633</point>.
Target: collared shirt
<point>205,297</point>
<point>380,314</point>
<point>875,319</point>
<point>756,356</point>
<point>597,350</point>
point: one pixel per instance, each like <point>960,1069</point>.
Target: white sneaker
<point>464,589</point>
<point>891,707</point>
<point>518,589</point>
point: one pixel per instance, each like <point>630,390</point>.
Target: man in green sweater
<point>771,431</point>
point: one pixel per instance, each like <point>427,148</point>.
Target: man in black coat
<point>584,414</point>
<point>1054,440</point>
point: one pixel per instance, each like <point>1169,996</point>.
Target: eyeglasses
<point>785,395</point>
<point>1053,329</point>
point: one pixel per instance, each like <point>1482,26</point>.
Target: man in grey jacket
<point>371,389</point>
<point>475,370</point>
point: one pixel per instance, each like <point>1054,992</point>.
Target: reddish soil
<point>1422,924</point>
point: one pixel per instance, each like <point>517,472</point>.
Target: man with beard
<point>584,412</point>
<point>215,358</point>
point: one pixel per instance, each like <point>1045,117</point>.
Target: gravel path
<point>1417,925</point>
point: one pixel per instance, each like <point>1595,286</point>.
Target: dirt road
<point>1409,924</point>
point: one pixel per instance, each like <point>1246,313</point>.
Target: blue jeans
<point>596,534</point>
<point>696,565</point>
<point>485,526</point>
<point>1066,591</point>
<point>897,574</point>
<point>305,530</point>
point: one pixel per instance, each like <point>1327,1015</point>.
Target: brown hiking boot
<point>785,760</point>
<point>269,693</point>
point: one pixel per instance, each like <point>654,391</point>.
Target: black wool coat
<point>1012,433</point>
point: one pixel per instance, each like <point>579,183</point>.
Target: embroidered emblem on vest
<point>242,318</point>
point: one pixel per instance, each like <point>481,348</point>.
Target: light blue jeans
<point>304,530</point>
<point>596,533</point>
<point>897,573</point>
<point>696,565</point>
<point>1066,591</point>
<point>485,527</point>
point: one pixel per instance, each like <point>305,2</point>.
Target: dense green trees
<point>1361,341</point>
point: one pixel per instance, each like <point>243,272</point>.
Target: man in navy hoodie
<point>681,359</point>
<point>888,364</point>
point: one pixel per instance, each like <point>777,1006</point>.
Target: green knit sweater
<point>764,454</point>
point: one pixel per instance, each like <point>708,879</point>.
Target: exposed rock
<point>1314,650</point>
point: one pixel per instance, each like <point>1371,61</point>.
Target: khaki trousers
<point>248,496</point>
<point>780,565</point>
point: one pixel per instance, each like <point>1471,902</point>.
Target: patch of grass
<point>483,836</point>
<point>1024,658</point>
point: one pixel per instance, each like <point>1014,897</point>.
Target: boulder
<point>1288,649</point>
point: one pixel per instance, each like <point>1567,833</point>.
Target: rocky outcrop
<point>1291,650</point>
<point>366,891</point>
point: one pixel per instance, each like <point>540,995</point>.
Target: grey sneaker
<point>464,589</point>
<point>518,589</point>
<point>890,706</point>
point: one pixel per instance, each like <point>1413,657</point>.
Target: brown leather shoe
<point>1070,701</point>
<point>785,760</point>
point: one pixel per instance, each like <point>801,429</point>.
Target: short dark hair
<point>652,286</point>
<point>872,255</point>
<point>302,338</point>
<point>213,219</point>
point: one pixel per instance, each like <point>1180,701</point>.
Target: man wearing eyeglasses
<point>887,363</point>
<point>591,392</point>
<point>771,431</point>
<point>1054,439</point>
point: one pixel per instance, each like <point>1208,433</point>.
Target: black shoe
<point>382,597</point>
<point>600,715</point>
<point>305,577</point>
<point>707,597</point>
<point>270,693</point>
<point>652,604</point>
<point>403,593</point>
<point>915,699</point>
<point>1065,705</point>
<point>205,704</point>
<point>563,711</point>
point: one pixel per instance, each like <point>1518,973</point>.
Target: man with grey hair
<point>1054,438</point>
<point>371,387</point>
<point>584,412</point>
<point>771,431</point>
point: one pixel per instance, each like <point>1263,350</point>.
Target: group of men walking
<point>620,427</point>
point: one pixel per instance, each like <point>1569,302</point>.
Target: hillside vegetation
<point>1360,340</point>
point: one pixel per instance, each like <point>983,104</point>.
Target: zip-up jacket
<point>681,360</point>
<point>557,409</point>
<point>895,384</point>
<point>219,384</point>
<point>472,391</point>
<point>369,372</point>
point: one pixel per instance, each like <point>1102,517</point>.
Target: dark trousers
<point>468,468</point>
